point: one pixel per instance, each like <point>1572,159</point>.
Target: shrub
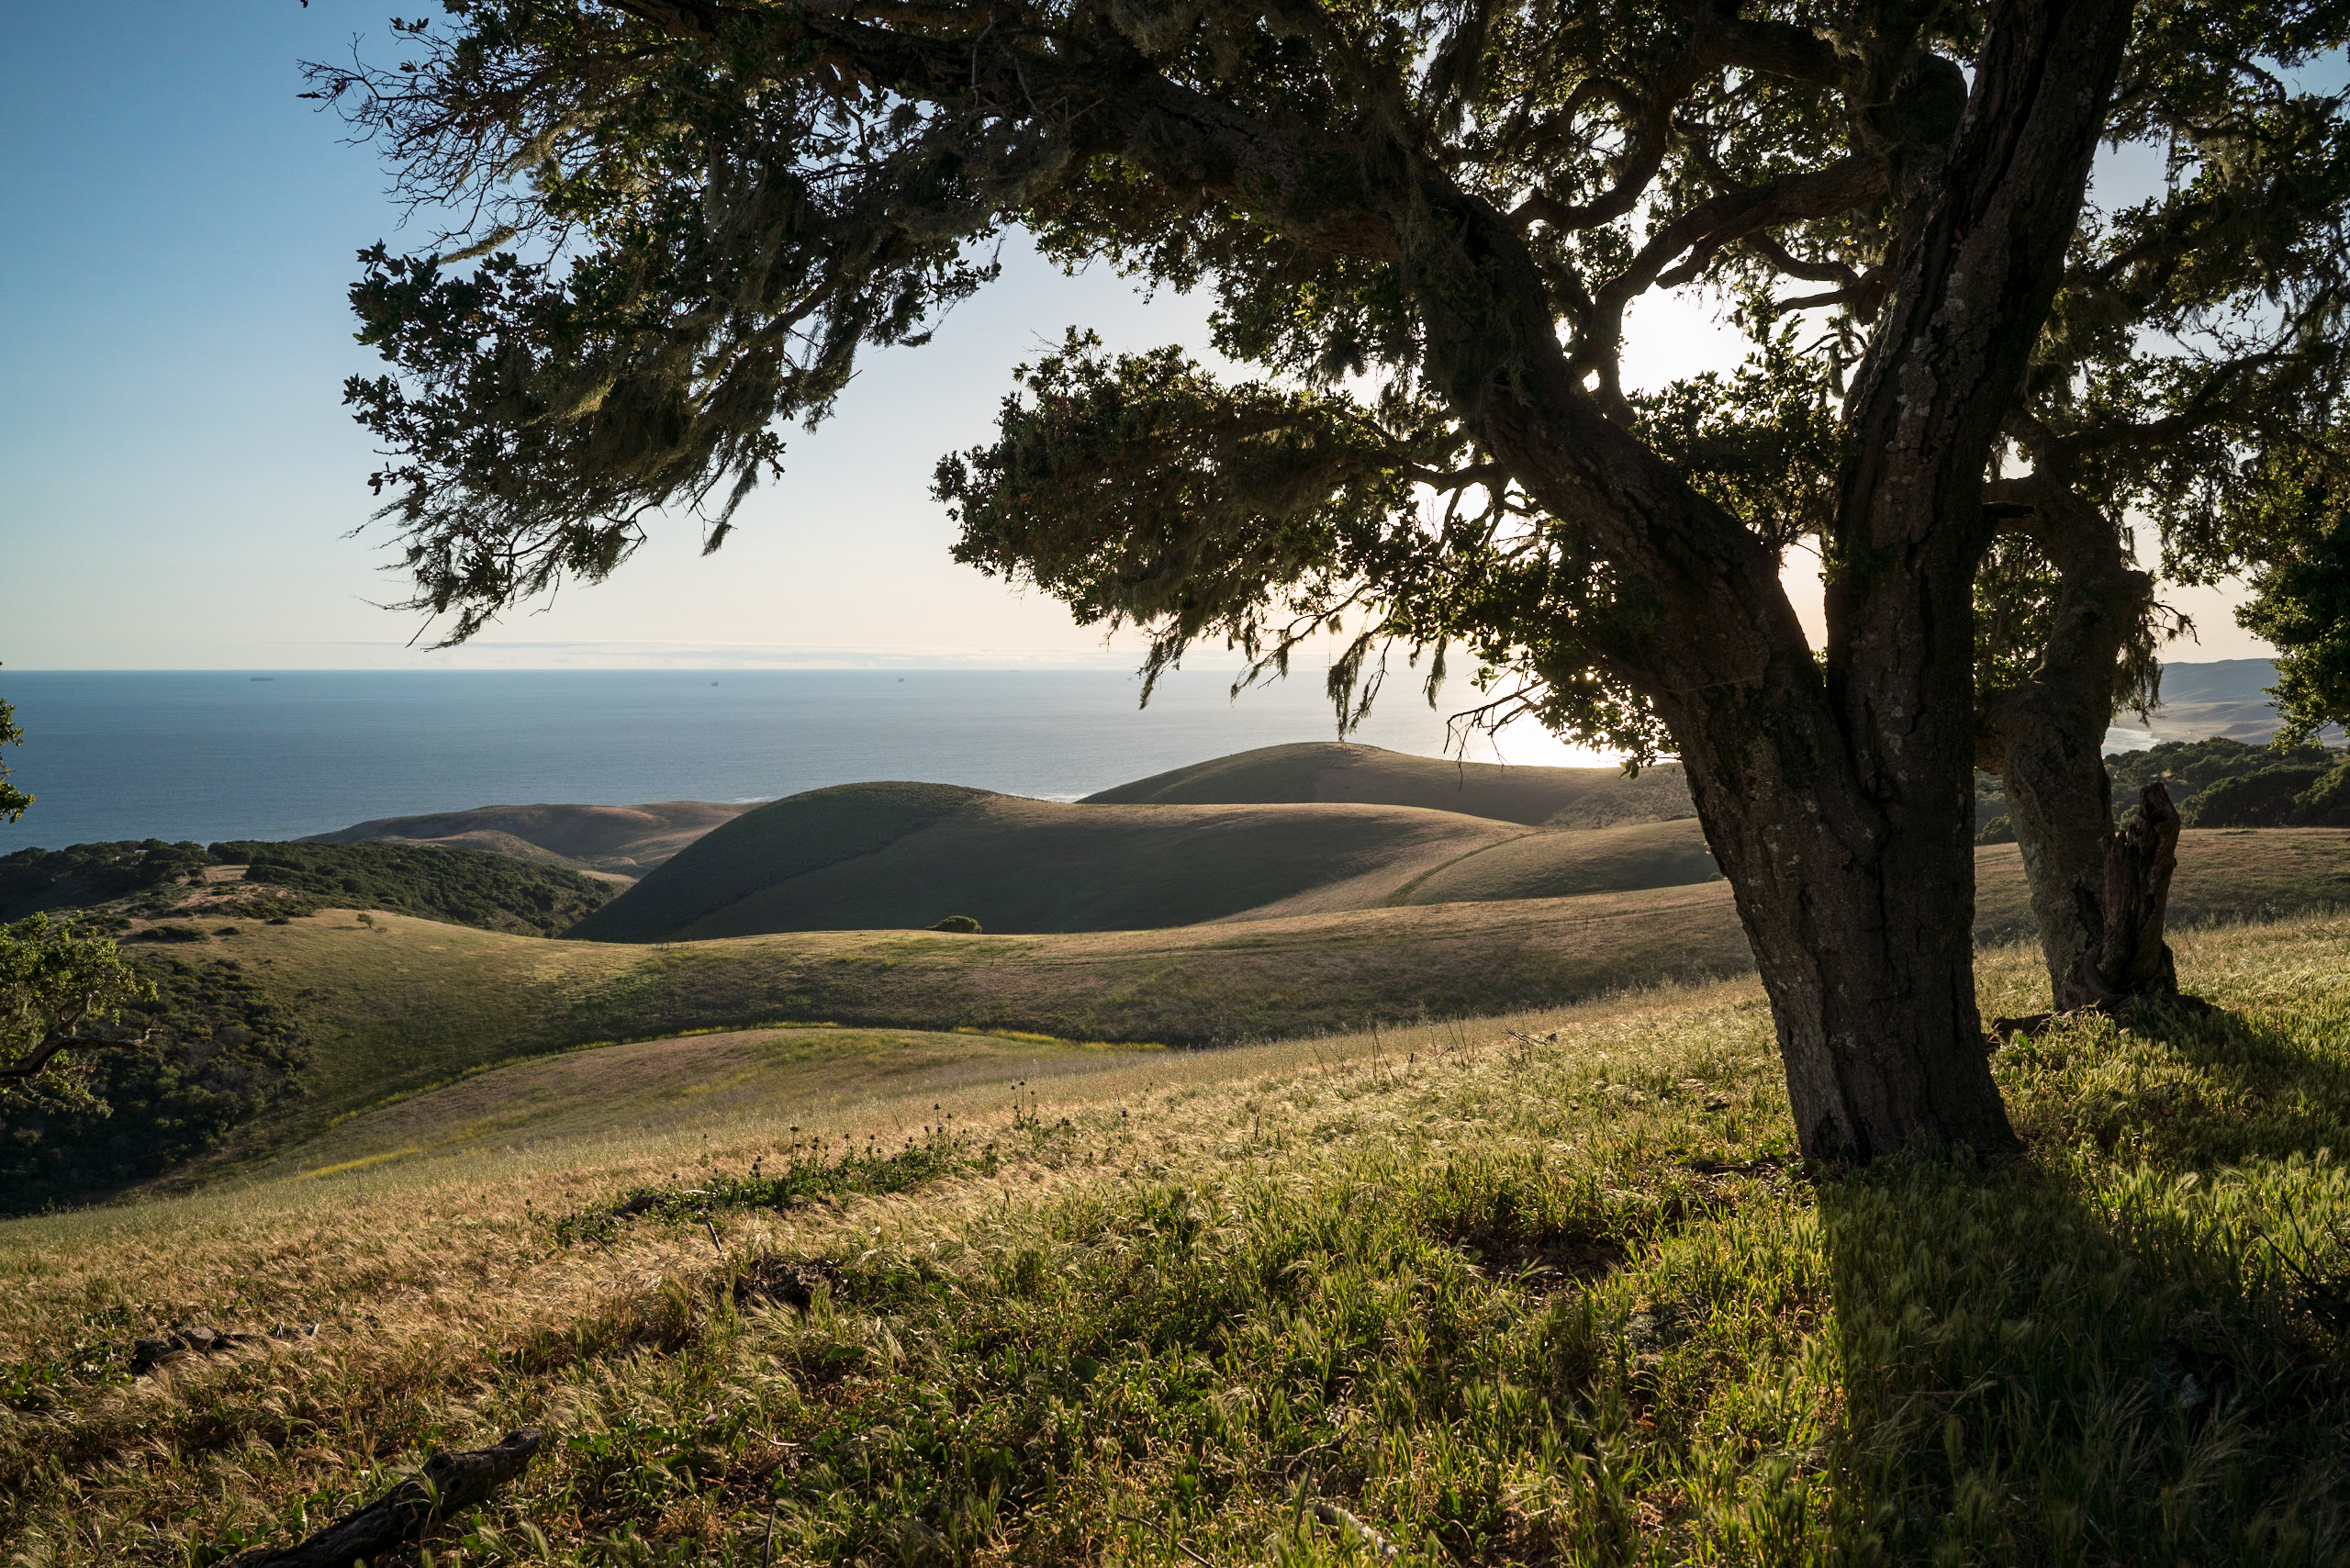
<point>2326,803</point>
<point>962,924</point>
<point>2259,799</point>
<point>219,1050</point>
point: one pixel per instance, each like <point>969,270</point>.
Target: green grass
<point>688,1082</point>
<point>1546,1289</point>
<point>1561,864</point>
<point>1329,772</point>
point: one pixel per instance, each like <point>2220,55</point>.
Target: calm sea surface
<point>210,756</point>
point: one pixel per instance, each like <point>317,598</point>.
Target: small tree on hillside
<point>60,997</point>
<point>1428,223</point>
<point>13,800</point>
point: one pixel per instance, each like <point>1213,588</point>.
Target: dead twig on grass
<point>1203,1562</point>
<point>1356,1530</point>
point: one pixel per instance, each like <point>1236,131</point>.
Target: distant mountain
<point>1325,772</point>
<point>2216,697</point>
<point>626,841</point>
<point>2223,697</point>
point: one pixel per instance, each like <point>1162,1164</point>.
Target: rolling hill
<point>627,841</point>
<point>404,1004</point>
<point>870,856</point>
<point>1326,772</point>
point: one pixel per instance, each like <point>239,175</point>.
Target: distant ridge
<point>1328,772</point>
<point>869,857</point>
<point>625,840</point>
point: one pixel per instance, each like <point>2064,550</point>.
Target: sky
<point>180,485</point>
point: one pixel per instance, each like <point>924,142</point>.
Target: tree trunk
<point>1839,803</point>
<point>2097,896</point>
<point>1860,908</point>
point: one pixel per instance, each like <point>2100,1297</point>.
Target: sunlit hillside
<point>1547,1288</point>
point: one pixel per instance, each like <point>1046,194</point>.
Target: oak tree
<point>61,998</point>
<point>1426,225</point>
<point>13,800</point>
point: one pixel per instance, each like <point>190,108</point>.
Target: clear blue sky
<point>178,478</point>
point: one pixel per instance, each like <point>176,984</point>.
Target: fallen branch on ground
<point>450,1483</point>
<point>2122,1011</point>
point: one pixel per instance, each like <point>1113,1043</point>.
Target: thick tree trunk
<point>1839,803</point>
<point>1860,908</point>
<point>2097,896</point>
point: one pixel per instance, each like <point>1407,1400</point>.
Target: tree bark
<point>2098,897</point>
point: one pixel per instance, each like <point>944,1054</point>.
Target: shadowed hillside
<point>626,840</point>
<point>869,857</point>
<point>1326,772</point>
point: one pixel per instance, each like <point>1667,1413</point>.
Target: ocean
<point>220,754</point>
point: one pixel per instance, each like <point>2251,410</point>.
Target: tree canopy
<point>1426,225</point>
<point>13,800</point>
<point>60,995</point>
<point>735,198</point>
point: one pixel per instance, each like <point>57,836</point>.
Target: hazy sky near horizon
<point>179,481</point>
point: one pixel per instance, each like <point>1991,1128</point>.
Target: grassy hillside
<point>626,840</point>
<point>1546,1289</point>
<point>401,1005</point>
<point>772,843</point>
<point>1561,863</point>
<point>1329,772</point>
<point>871,856</point>
<point>661,1087</point>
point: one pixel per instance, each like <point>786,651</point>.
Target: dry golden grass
<point>404,1004</point>
<point>1818,1389</point>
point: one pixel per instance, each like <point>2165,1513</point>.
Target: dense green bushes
<point>463,887</point>
<point>151,877</point>
<point>2263,798</point>
<point>219,1050</point>
<point>2188,767</point>
<point>2215,783</point>
<point>86,874</point>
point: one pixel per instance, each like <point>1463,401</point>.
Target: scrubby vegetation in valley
<point>462,887</point>
<point>625,840</point>
<point>218,1050</point>
<point>2217,782</point>
<point>118,883</point>
<point>1543,1289</point>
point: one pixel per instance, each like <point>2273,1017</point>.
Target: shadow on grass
<point>2067,1359</point>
